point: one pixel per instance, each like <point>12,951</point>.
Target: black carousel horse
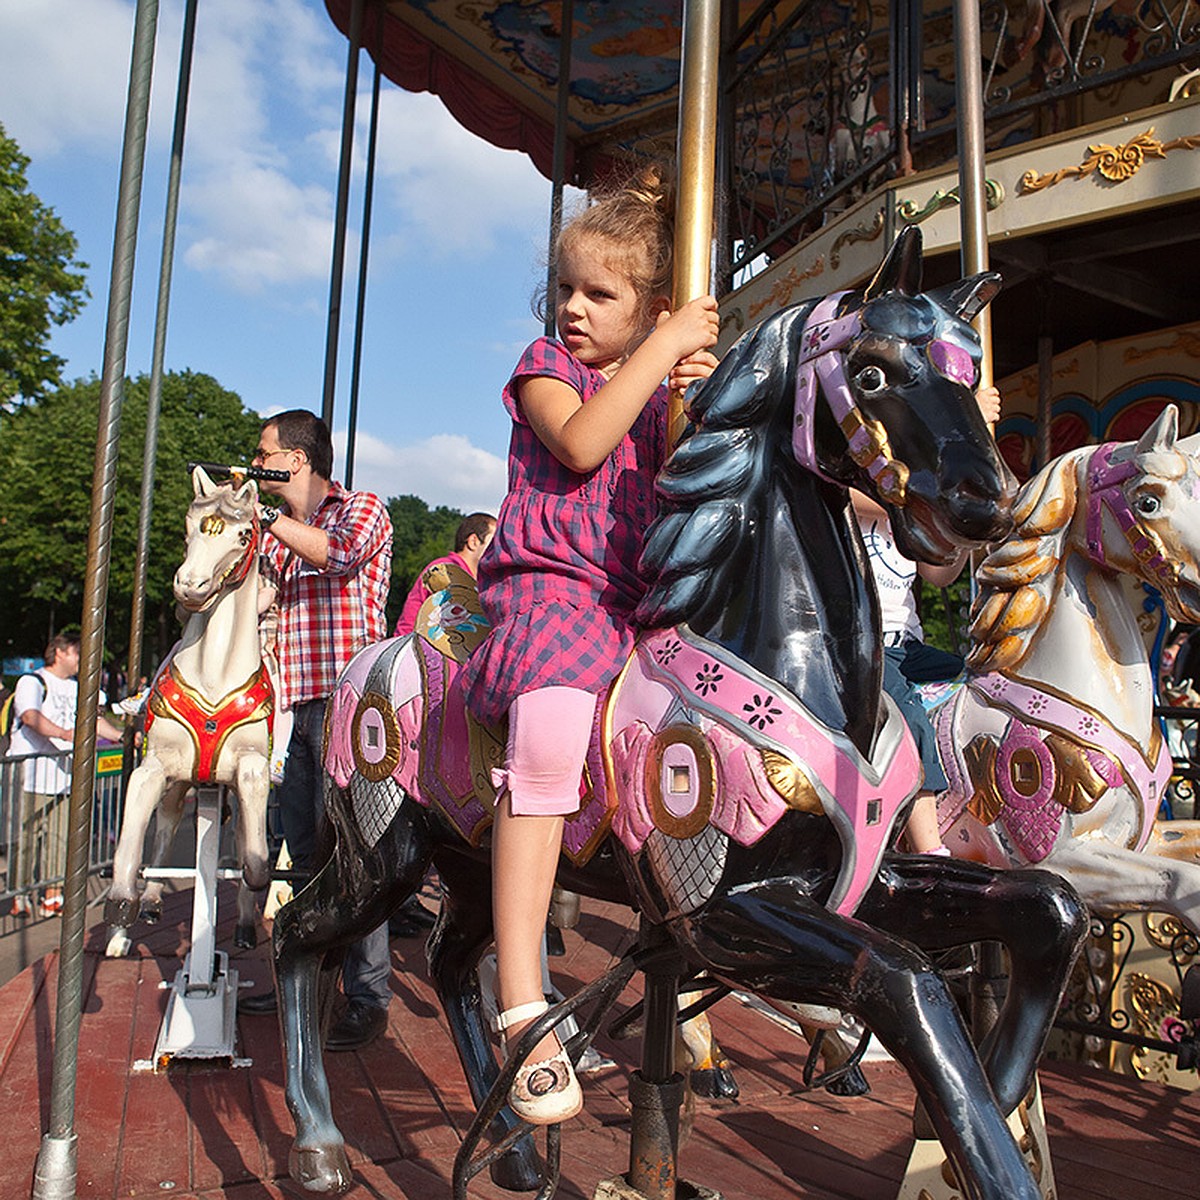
<point>762,772</point>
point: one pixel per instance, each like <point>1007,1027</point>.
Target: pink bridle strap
<point>1104,479</point>
<point>822,370</point>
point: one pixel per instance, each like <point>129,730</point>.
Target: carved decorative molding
<point>1114,163</point>
<point>910,214</point>
<point>866,232</point>
<point>782,289</point>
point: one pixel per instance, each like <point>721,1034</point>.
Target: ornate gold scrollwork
<point>860,233</point>
<point>782,289</point>
<point>792,784</point>
<point>892,481</point>
<point>986,803</point>
<point>1114,163</point>
<point>910,214</point>
<point>1077,784</point>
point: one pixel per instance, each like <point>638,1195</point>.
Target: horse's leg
<point>454,948</point>
<point>356,890</point>
<point>253,783</point>
<point>146,786</point>
<point>940,903</point>
<point>771,938</point>
<point>1112,878</point>
<point>166,825</point>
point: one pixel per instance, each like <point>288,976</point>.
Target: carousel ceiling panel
<point>495,66</point>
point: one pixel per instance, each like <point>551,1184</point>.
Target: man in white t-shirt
<point>44,705</point>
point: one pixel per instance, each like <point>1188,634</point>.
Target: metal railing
<point>33,828</point>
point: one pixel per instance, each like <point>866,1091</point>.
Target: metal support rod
<point>154,405</point>
<point>54,1174</point>
<point>558,169</point>
<point>364,257</point>
<point>973,209</point>
<point>338,264</point>
<point>696,153</point>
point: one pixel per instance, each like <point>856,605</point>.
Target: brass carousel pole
<point>697,163</point>
<point>971,180</point>
<point>54,1173</point>
<point>566,35</point>
<point>656,1089</point>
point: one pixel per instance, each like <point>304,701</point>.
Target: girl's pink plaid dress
<point>559,581</point>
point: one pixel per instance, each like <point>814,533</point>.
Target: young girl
<point>559,581</point>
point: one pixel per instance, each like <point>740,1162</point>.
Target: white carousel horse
<point>1053,753</point>
<point>209,713</point>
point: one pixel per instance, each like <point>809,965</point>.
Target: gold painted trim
<point>910,214</point>
<point>665,820</point>
<point>378,771</point>
<point>782,289</point>
<point>791,783</point>
<point>860,233</point>
<point>1114,163</point>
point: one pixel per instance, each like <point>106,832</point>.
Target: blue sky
<point>458,237</point>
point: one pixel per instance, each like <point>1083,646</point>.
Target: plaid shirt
<point>560,579</point>
<point>328,615</point>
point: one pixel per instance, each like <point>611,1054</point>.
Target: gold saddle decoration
<point>451,618</point>
<point>1078,786</point>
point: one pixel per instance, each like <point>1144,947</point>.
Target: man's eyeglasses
<point>261,455</point>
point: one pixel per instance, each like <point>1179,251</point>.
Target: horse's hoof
<point>121,910</point>
<point>853,1083</point>
<point>151,911</point>
<point>119,943</point>
<point>519,1170</point>
<point>245,937</point>
<point>324,1170</point>
<point>715,1083</point>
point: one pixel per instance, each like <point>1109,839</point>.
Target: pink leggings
<point>548,735</point>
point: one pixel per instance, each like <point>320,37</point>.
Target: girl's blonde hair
<point>636,221</point>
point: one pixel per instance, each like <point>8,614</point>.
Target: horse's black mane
<point>711,488</point>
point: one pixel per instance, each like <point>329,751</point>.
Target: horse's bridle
<point>1104,479</point>
<point>237,571</point>
<point>824,338</point>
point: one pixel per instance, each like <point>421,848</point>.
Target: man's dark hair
<point>298,429</point>
<point>480,524</point>
<point>60,641</point>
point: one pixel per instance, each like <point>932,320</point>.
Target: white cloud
<point>260,228</point>
<point>453,191</point>
<point>64,74</point>
<point>443,469</point>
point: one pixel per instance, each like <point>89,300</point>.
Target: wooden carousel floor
<point>204,1131</point>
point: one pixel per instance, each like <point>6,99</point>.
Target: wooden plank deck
<point>207,1132</point>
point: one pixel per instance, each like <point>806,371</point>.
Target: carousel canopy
<point>495,66</point>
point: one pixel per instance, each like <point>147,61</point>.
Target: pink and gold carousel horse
<point>1052,749</point>
<point>747,773</point>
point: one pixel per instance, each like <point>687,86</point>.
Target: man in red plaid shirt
<point>329,557</point>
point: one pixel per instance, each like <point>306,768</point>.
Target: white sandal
<point>545,1092</point>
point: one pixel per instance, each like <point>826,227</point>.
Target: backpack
<point>8,718</point>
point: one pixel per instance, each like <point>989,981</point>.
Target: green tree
<point>421,535</point>
<point>40,283</point>
<point>47,447</point>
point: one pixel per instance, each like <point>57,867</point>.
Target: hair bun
<point>649,186</point>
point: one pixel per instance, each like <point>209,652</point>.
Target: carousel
<point>848,177</point>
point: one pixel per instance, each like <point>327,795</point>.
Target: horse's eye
<point>1148,505</point>
<point>870,379</point>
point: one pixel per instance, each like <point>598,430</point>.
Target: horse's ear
<point>968,297</point>
<point>901,270</point>
<point>202,485</point>
<point>247,493</point>
<point>1162,434</point>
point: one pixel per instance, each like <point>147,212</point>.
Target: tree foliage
<point>47,450</point>
<point>40,283</point>
<point>421,535</point>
